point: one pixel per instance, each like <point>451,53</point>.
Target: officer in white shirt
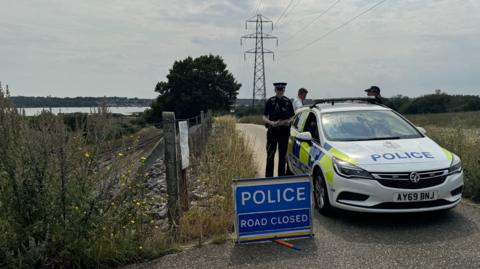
<point>298,102</point>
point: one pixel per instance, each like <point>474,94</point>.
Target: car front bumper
<point>381,198</point>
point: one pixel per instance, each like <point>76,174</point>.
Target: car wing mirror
<point>304,136</point>
<point>422,130</point>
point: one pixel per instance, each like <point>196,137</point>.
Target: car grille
<point>402,180</point>
<point>412,205</point>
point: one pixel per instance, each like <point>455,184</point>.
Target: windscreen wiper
<point>372,138</point>
<point>385,138</point>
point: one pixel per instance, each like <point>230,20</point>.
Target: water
<point>55,110</point>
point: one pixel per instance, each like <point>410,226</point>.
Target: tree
<point>193,85</point>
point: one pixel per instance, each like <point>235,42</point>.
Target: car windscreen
<point>366,125</point>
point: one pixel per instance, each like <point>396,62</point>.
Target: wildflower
<point>88,154</point>
<point>132,221</point>
<point>140,247</point>
<point>143,159</point>
<point>120,154</point>
<point>138,204</point>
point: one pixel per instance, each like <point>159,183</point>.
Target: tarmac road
<point>349,240</point>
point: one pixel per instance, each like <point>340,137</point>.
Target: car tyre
<point>320,192</point>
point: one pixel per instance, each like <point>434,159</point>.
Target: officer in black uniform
<point>277,116</point>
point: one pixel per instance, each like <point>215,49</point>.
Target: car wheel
<point>320,193</point>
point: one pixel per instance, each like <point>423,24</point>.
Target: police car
<point>366,157</point>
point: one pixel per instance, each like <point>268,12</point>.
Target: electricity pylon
<point>259,91</point>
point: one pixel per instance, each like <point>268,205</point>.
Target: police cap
<point>279,85</point>
<point>373,89</point>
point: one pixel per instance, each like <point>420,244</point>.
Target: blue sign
<point>272,208</point>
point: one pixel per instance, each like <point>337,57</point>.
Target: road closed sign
<point>272,208</point>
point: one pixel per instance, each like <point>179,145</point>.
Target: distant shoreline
<point>126,110</point>
<point>59,102</point>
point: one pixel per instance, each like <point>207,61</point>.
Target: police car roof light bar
<point>370,100</point>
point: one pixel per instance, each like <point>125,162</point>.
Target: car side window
<point>311,125</point>
<point>297,121</point>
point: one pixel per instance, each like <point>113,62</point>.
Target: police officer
<point>277,116</point>
<point>375,92</point>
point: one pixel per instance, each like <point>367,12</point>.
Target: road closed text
<point>273,221</point>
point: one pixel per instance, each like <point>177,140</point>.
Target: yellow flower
<point>120,154</point>
<point>88,154</point>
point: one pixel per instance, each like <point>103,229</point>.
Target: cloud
<point>122,47</point>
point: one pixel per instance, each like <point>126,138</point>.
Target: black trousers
<point>277,136</point>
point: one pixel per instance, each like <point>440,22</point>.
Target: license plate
<point>415,196</point>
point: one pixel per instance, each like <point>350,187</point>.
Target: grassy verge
<point>59,206</point>
<point>465,143</point>
<point>254,119</point>
<point>226,156</point>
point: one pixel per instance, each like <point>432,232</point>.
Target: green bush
<point>61,203</point>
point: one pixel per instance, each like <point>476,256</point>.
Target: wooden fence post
<point>202,128</point>
<point>171,163</point>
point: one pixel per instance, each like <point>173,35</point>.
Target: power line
<point>339,27</point>
<point>283,13</point>
<point>289,12</point>
<point>313,21</point>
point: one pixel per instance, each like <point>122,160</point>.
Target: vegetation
<point>434,103</point>
<point>194,85</point>
<point>226,157</point>
<point>31,101</point>
<point>459,133</point>
<point>61,203</point>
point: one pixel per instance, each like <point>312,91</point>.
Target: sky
<point>124,47</point>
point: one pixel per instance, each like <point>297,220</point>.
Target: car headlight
<point>455,166</point>
<point>348,170</point>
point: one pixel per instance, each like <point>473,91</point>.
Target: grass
<point>460,133</point>
<point>59,207</point>
<point>254,119</point>
<point>226,156</point>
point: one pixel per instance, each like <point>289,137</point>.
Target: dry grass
<point>255,119</point>
<point>226,157</point>
<point>459,133</point>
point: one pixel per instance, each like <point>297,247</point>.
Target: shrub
<point>61,203</point>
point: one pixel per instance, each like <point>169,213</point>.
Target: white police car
<point>366,157</point>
